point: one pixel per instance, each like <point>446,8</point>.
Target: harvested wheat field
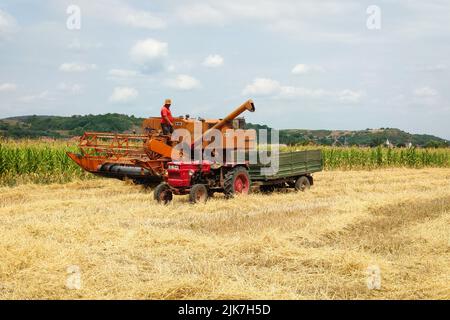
<point>313,245</point>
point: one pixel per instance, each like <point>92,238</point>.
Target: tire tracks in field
<point>380,233</point>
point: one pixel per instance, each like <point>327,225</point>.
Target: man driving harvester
<point>166,117</point>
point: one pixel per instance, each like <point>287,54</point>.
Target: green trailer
<point>294,170</point>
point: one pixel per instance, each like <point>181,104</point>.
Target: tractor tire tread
<point>229,181</point>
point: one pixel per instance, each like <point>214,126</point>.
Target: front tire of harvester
<point>198,194</point>
<point>302,184</point>
<point>237,181</point>
<point>162,193</point>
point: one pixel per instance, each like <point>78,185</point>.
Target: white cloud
<point>7,87</point>
<point>349,96</point>
<point>346,95</point>
<point>8,24</point>
<point>123,95</point>
<point>123,73</point>
<point>76,67</point>
<point>120,12</point>
<point>44,95</point>
<point>288,17</point>
<point>183,82</point>
<point>262,86</point>
<point>76,45</point>
<point>270,87</point>
<point>300,69</point>
<point>149,53</point>
<point>180,66</point>
<point>144,19</point>
<point>200,14</point>
<point>213,61</point>
<point>305,69</point>
<point>433,68</point>
<point>296,92</point>
<point>425,92</point>
<point>71,88</point>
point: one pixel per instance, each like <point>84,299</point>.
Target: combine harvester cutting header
<point>148,159</point>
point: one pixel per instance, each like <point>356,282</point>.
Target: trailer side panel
<point>291,164</point>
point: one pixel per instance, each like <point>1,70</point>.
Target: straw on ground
<point>318,244</point>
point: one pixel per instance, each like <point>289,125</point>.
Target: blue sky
<point>306,64</point>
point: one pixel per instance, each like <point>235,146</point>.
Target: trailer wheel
<point>198,194</point>
<point>237,181</point>
<point>302,184</point>
<point>162,193</point>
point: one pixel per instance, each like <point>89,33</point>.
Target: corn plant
<point>37,161</point>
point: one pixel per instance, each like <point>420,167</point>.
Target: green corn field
<point>371,158</point>
<point>359,158</point>
<point>37,161</point>
<point>40,161</point>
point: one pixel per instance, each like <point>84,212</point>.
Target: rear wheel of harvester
<point>198,193</point>
<point>237,181</point>
<point>162,193</point>
<point>302,184</point>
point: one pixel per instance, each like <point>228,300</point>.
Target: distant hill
<point>368,137</point>
<point>67,127</point>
